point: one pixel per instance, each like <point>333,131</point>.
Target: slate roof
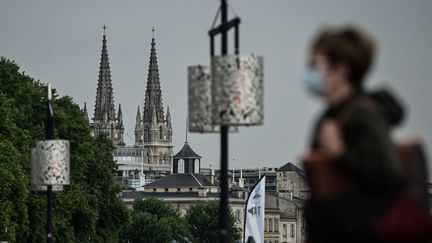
<point>291,167</point>
<point>299,202</point>
<point>173,195</point>
<point>124,186</point>
<point>181,180</point>
<point>186,152</point>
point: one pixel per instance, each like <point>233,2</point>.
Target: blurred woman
<point>352,166</point>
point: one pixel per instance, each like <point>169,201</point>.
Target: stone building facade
<point>284,220</point>
<point>291,182</point>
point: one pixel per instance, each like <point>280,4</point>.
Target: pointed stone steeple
<point>138,129</point>
<point>120,116</point>
<point>138,117</point>
<point>153,95</point>
<point>119,129</point>
<point>168,118</point>
<point>154,131</point>
<point>104,118</point>
<point>104,92</point>
<point>85,112</point>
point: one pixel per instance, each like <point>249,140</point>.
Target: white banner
<point>254,218</point>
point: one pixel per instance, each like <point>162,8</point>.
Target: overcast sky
<point>60,42</point>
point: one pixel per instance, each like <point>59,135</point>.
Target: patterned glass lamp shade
<point>199,99</point>
<point>237,90</point>
<point>50,164</point>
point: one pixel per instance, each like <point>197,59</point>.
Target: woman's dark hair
<point>348,46</point>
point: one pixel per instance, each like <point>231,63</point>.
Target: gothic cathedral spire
<point>153,130</point>
<point>153,94</point>
<point>104,105</point>
<point>104,119</point>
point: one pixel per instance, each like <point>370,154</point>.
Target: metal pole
<point>224,233</point>
<point>49,214</point>
<point>49,134</point>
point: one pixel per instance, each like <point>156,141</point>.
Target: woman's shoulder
<point>356,105</point>
<point>357,112</point>
<point>377,105</point>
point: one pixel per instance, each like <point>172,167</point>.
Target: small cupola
<point>186,161</point>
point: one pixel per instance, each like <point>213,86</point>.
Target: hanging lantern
<point>200,106</point>
<point>199,99</point>
<point>50,164</point>
<point>237,90</point>
<point>34,186</point>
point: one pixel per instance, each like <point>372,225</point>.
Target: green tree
<point>203,222</point>
<point>155,221</point>
<point>90,206</point>
<point>13,213</point>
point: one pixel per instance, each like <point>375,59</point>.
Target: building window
<point>292,230</point>
<point>265,225</point>
<point>238,215</point>
<point>154,189</point>
<point>146,134</point>
<point>285,231</point>
<point>166,189</point>
<point>302,223</point>
<point>196,166</point>
<point>178,189</point>
<point>190,188</point>
<point>160,133</point>
<point>270,225</point>
<point>181,164</point>
<point>276,225</point>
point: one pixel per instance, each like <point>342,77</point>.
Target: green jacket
<point>370,158</point>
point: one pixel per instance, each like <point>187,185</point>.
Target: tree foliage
<point>87,209</point>
<point>203,222</point>
<point>153,220</point>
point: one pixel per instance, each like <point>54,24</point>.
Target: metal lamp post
<point>50,164</point>
<point>225,95</point>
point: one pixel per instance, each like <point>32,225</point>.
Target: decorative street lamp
<point>227,94</point>
<point>237,90</point>
<point>200,97</point>
<point>200,100</point>
<point>50,169</point>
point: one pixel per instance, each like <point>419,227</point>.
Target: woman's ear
<point>341,73</point>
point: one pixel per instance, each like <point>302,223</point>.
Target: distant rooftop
<point>176,196</point>
<point>124,186</point>
<point>186,152</point>
<point>181,180</point>
<point>291,167</point>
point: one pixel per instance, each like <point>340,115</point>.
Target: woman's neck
<point>342,93</point>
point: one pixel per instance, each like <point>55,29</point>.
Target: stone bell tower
<point>153,129</point>
<point>105,119</point>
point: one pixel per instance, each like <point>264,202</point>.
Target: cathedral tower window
<point>146,134</point>
<point>161,133</point>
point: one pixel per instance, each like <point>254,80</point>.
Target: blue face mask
<point>313,81</point>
